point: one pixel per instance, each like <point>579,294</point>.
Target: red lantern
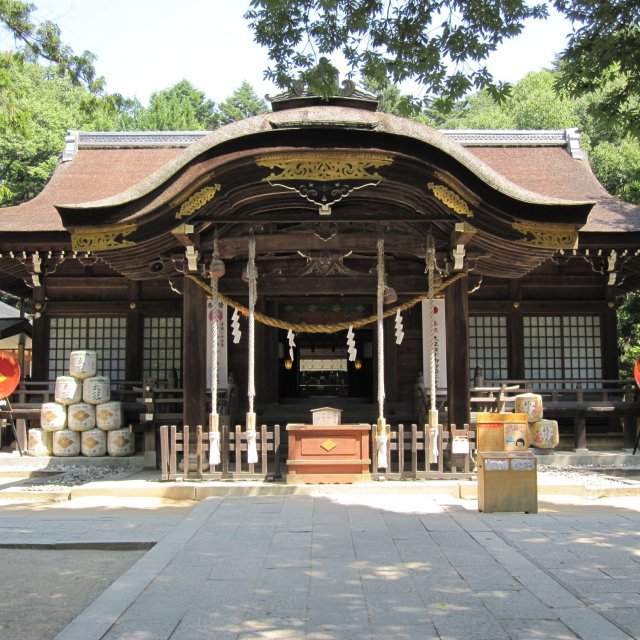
<point>9,374</point>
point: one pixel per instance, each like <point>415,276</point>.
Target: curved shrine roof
<point>113,169</point>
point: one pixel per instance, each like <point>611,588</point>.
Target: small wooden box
<point>491,431</point>
<point>507,481</point>
<point>326,416</point>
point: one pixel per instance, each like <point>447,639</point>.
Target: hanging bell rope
<point>303,327</point>
<point>252,452</point>
<point>431,336</point>
<point>214,418</point>
<point>381,432</point>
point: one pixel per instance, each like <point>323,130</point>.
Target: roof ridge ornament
<point>321,85</point>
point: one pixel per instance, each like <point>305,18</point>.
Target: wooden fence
<point>407,454</point>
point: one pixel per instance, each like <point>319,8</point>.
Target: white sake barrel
<point>68,390</point>
<point>83,364</point>
<point>53,416</point>
<point>545,434</point>
<point>81,416</point>
<point>39,442</point>
<point>66,443</point>
<point>120,443</point>
<point>109,415</point>
<point>96,390</point>
<point>93,443</point>
<point>529,403</point>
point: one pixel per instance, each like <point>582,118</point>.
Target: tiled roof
<point>100,165</point>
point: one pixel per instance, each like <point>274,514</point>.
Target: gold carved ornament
<point>102,238</point>
<point>324,166</point>
<point>324,177</point>
<point>548,236</point>
<point>450,199</point>
<point>197,201</point>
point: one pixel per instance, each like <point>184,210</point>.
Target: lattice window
<point>562,347</point>
<point>106,336</point>
<point>162,349</point>
<point>488,346</point>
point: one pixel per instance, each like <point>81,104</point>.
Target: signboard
<point>440,335</point>
<point>223,372</point>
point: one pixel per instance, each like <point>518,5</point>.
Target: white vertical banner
<point>440,333</point>
<point>223,373</point>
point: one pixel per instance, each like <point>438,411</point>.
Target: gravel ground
<point>70,476</point>
<point>63,477</point>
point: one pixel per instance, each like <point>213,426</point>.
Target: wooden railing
<point>192,444</point>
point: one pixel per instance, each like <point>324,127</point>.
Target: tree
<point>42,42</point>
<point>29,153</point>
<point>440,44</point>
<point>532,104</point>
<point>181,107</point>
<point>242,103</point>
<point>603,56</point>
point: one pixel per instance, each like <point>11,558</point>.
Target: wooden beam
<point>321,286</point>
<point>405,243</point>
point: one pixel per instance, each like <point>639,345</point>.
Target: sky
<point>144,46</point>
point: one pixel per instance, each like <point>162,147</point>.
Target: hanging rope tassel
<point>382,431</point>
<point>252,451</point>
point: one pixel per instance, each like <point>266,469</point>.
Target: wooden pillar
<point>458,376</point>
<point>390,361</point>
<point>40,337</point>
<point>133,358</point>
<point>610,339</point>
<point>515,334</point>
<point>270,367</point>
<point>194,353</point>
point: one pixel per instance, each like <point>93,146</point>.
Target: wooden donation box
<point>507,481</point>
<point>326,451</point>
<point>507,470</point>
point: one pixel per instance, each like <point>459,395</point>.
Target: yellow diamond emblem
<point>328,445</point>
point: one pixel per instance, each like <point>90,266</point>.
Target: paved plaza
<point>354,563</point>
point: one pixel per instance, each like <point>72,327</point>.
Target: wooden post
<point>458,375</point>
<point>133,358</point>
<point>40,337</point>
<point>194,358</point>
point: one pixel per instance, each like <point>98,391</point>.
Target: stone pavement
<point>350,565</point>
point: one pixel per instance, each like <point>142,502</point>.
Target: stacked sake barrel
<point>543,434</point>
<point>83,420</point>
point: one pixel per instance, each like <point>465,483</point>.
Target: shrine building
<point>504,240</point>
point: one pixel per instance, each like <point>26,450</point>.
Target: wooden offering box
<point>325,454</point>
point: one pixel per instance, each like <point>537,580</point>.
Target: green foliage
<point>603,55</point>
<point>42,42</point>
<point>629,333</point>
<point>617,165</point>
<point>51,106</point>
<point>532,104</point>
<point>182,107</point>
<point>440,44</point>
<point>242,103</point>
